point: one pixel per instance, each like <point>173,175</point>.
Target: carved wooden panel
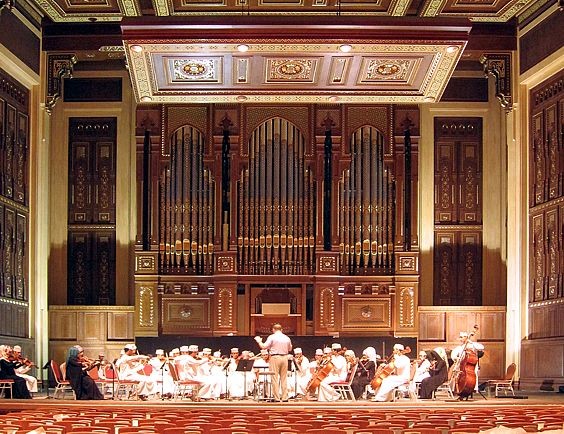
<point>546,319</point>
<point>539,371</point>
<point>14,214</point>
<point>92,211</point>
<point>325,308</point>
<point>545,143</point>
<point>186,315</point>
<point>361,314</point>
<point>458,170</point>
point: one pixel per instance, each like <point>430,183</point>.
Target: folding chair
<point>344,387</point>
<point>504,385</point>
<point>62,386</point>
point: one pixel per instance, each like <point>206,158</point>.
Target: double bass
<point>465,369</point>
<point>385,369</point>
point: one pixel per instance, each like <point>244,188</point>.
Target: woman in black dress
<point>8,368</point>
<point>364,372</point>
<point>438,373</point>
<point>77,374</point>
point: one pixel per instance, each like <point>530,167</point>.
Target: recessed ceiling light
<point>243,48</point>
<point>452,49</point>
<point>146,98</point>
<point>136,48</point>
<point>241,98</point>
<point>345,48</point>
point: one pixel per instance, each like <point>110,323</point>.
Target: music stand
<point>49,377</point>
<point>293,367</point>
<point>244,366</point>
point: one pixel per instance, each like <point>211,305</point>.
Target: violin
<point>386,369</point>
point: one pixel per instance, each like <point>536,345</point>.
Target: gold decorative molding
<point>146,315</point>
<point>327,264</point>
<point>406,300</point>
<point>225,264</point>
<point>225,307</point>
<point>59,67</point>
<point>327,306</point>
<point>499,66</point>
<point>366,313</point>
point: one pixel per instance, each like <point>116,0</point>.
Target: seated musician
<point>23,370</point>
<point>198,369</point>
<point>400,375</point>
<point>303,374</point>
<point>467,344</point>
<point>161,373</point>
<point>338,372</point>
<point>438,372</point>
<point>77,367</point>
<point>364,372</point>
<point>131,366</point>
<point>8,365</point>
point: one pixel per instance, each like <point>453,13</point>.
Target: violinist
<point>161,373</point>
<point>422,367</point>
<point>131,366</point>
<point>438,372</point>
<point>338,372</point>
<point>235,379</point>
<point>23,370</point>
<point>364,371</point>
<point>8,365</point>
<point>303,374</point>
<point>197,369</point>
<point>77,366</point>
<point>400,374</point>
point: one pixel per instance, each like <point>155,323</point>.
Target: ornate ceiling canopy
<point>275,59</point>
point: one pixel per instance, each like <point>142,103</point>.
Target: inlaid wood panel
<point>91,326</point>
<point>63,325</point>
<point>432,326</point>
<point>539,371</point>
<point>120,326</point>
<point>366,313</point>
<point>181,314</point>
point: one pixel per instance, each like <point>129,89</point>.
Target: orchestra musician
<point>303,373</point>
<point>77,367</point>
<point>438,372</point>
<point>8,366</point>
<point>235,379</point>
<point>364,371</point>
<point>23,370</point>
<point>467,344</point>
<point>197,369</point>
<point>131,366</point>
<point>422,367</point>
<point>279,345</point>
<point>161,373</point>
<point>338,372</point>
<point>400,375</point>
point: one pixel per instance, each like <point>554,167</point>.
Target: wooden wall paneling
<point>79,270</point>
<point>80,172</point>
<point>225,308</point>
<point>554,251</point>
<point>104,182</point>
<point>9,249</point>
<point>21,157</point>
<point>445,268</point>
<point>432,326</point>
<point>3,122</point>
<point>406,300</point>
<point>120,326</point>
<point>20,258</point>
<point>554,175</point>
<point>366,314</point>
<point>326,308</point>
<point>539,372</point>
<point>537,160</point>
<point>537,263</point>
<point>491,326</point>
<point>103,268</point>
<point>63,325</point>
<point>2,252</point>
<point>492,364</point>
<point>146,321</point>
<point>560,237</point>
<point>460,321</point>
<point>9,150</point>
<point>91,327</point>
<point>470,183</point>
<point>469,268</point>
<point>186,315</point>
<point>445,183</point>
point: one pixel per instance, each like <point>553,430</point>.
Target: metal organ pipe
<point>276,189</point>
<point>187,196</point>
<point>366,207</point>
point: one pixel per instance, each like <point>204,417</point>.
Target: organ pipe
<point>275,203</point>
<point>187,202</point>
<point>366,206</point>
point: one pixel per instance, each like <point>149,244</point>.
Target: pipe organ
<point>187,204</point>
<point>276,209</point>
<point>366,213</point>
<point>310,205</point>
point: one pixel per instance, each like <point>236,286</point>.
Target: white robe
<point>401,377</point>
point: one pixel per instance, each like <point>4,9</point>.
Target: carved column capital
<point>59,66</point>
<point>499,66</point>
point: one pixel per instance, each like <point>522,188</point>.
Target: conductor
<point>279,346</point>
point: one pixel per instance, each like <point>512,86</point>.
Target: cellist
<point>326,392</point>
<point>400,375</point>
<point>467,344</point>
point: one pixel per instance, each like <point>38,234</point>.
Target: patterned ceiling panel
<point>277,7</point>
<point>289,70</point>
<point>89,10</point>
<point>477,10</point>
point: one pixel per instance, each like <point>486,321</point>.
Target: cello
<point>386,369</point>
<point>465,370</point>
<point>324,369</point>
